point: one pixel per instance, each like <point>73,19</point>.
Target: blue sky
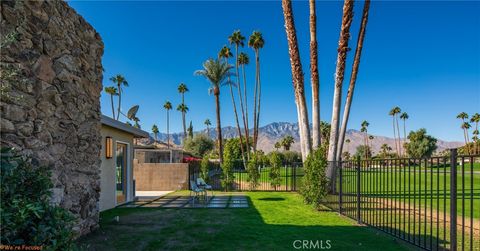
<point>422,56</point>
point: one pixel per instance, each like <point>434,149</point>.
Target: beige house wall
<point>160,176</point>
<point>107,174</point>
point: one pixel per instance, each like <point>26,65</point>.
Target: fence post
<point>453,199</point>
<point>340,190</point>
<point>359,219</point>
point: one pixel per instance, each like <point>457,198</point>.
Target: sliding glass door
<point>121,172</point>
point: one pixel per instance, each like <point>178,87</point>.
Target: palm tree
<point>316,134</point>
<point>155,131</point>
<point>112,90</point>
<point>475,119</point>
<point>404,117</point>
<point>465,126</point>
<point>208,124</point>
<point>371,138</point>
<point>464,116</point>
<point>238,40</point>
<point>256,42</point>
<point>298,80</point>
<point>168,107</point>
<point>183,109</point>
<point>182,89</point>
<point>190,130</point>
<point>393,112</point>
<point>364,129</point>
<point>287,142</point>
<point>244,60</point>
<point>217,73</point>
<point>385,150</point>
<point>339,76</point>
<point>353,76</point>
<point>120,81</point>
<point>225,54</point>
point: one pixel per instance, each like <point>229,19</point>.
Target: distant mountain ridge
<point>273,132</point>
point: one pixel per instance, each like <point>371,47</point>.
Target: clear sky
<point>422,56</point>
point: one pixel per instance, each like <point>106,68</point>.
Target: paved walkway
<point>185,201</point>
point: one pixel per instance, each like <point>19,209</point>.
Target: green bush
<point>199,145</point>
<point>27,217</point>
<point>229,158</point>
<point>275,163</point>
<point>204,168</point>
<point>315,182</point>
<point>252,169</point>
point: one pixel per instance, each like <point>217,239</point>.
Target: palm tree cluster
<point>286,142</point>
<point>117,90</point>
<point>465,126</point>
<point>217,72</point>
<point>397,114</point>
<point>337,136</point>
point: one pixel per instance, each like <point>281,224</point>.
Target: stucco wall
<point>50,110</point>
<point>107,174</point>
<point>160,176</point>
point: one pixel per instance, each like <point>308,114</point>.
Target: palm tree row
<point>465,127</point>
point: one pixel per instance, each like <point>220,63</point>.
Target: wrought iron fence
<point>289,179</point>
<point>431,203</point>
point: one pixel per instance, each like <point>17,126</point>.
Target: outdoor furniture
<point>197,192</point>
<point>202,184</point>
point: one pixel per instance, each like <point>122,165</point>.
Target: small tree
<point>363,151</point>
<point>199,145</point>
<point>315,182</point>
<point>252,169</point>
<point>205,167</point>
<point>229,157</point>
<point>275,164</point>
<point>420,144</point>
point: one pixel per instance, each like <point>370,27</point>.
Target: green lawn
<point>273,221</point>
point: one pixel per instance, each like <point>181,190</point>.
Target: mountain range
<point>273,132</point>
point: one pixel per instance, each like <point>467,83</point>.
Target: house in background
<point>116,176</point>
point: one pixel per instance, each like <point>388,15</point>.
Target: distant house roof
<point>123,127</point>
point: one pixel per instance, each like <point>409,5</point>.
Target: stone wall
<point>160,176</point>
<point>50,109</point>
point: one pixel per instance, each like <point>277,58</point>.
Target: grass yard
<point>273,221</point>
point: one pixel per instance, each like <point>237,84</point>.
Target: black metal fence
<point>289,180</point>
<point>431,203</point>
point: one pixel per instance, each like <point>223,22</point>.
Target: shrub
<point>315,182</point>
<point>204,168</point>
<point>229,154</point>
<point>252,169</point>
<point>27,217</point>
<point>199,145</point>
<point>275,163</point>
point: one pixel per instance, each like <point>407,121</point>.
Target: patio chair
<point>202,184</point>
<point>197,192</point>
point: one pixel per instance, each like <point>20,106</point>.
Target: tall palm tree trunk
<point>113,108</point>
<point>208,131</point>
<point>119,100</point>
<point>337,95</point>
<point>316,134</point>
<point>241,105</point>
<point>404,136</point>
<point>399,138</point>
<point>255,94</point>
<point>353,79</point>
<point>247,128</point>
<point>219,125</point>
<point>298,81</point>
<point>258,102</point>
<point>168,130</point>
<point>395,135</point>
<point>237,122</point>
<point>183,119</point>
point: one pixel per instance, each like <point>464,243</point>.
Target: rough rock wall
<point>51,79</point>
